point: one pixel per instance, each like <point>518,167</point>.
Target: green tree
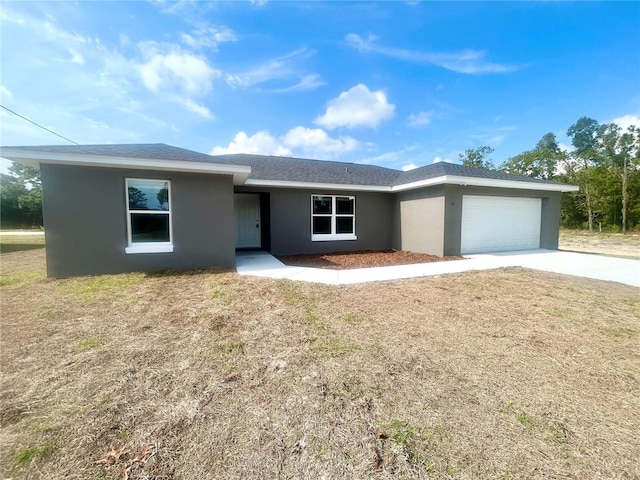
<point>10,190</point>
<point>620,150</point>
<point>477,157</point>
<point>163,197</point>
<point>28,176</point>
<point>137,199</point>
<point>586,156</point>
<point>541,162</point>
<point>21,197</point>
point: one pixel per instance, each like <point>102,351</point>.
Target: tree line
<point>604,163</point>
<point>21,197</point>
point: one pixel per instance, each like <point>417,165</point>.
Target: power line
<point>38,125</point>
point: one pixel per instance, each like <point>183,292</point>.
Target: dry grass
<point>18,243</point>
<point>617,244</point>
<point>496,374</point>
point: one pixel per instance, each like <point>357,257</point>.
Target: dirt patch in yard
<point>362,259</point>
<point>505,374</point>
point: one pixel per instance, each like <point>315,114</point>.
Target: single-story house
<point>121,208</point>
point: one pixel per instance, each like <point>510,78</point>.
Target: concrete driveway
<point>587,265</point>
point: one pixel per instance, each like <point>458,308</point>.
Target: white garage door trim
<point>499,224</point>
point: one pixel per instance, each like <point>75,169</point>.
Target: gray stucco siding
<point>429,220</point>
<point>85,220</point>
<point>549,222</point>
<point>419,222</point>
<point>290,221</point>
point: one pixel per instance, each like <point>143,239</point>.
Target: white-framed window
<point>333,217</point>
<point>148,216</point>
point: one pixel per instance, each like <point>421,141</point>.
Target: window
<point>148,216</point>
<point>333,217</point>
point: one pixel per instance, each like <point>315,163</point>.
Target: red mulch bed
<point>362,259</point>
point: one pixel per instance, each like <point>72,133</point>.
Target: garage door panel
<point>491,224</point>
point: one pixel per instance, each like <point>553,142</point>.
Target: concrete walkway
<point>262,264</point>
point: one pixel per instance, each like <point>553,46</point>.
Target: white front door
<point>247,208</point>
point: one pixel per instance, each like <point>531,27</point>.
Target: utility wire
<point>38,125</point>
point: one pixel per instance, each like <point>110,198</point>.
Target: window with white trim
<point>333,217</point>
<point>148,216</point>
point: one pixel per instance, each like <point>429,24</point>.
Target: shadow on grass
<point>188,272</point>
<point>19,247</point>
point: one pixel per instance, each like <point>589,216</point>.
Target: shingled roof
<point>288,169</point>
<point>441,169</point>
<point>283,169</point>
<point>155,151</point>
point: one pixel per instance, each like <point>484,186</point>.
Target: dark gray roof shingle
<point>312,171</point>
<point>159,151</point>
<point>287,169</point>
<point>443,168</point>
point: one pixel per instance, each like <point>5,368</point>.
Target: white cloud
<point>419,119</point>
<point>175,69</point>
<point>5,93</point>
<point>497,139</point>
<point>261,143</point>
<point>626,121</point>
<point>276,68</point>
<point>62,37</point>
<point>388,157</point>
<point>316,142</point>
<point>411,166</point>
<point>124,39</point>
<point>194,107</point>
<point>259,3</point>
<point>299,141</point>
<point>209,37</point>
<point>76,57</point>
<point>308,82</point>
<point>361,44</point>
<point>357,107</point>
<point>10,17</point>
<point>494,135</point>
<point>465,61</point>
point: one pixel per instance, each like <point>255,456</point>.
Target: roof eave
<point>485,182</point>
<point>239,172</point>
<point>311,185</point>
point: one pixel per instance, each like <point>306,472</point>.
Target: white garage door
<point>494,224</point>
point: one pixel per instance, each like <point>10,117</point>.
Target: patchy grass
<point>621,332</point>
<point>525,419</point>
<point>500,374</point>
<point>333,346</point>
<point>616,244</point>
<point>88,344</point>
<point>25,456</point>
<point>17,279</point>
<point>20,243</point>
<point>90,287</point>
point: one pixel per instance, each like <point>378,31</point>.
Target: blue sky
<point>396,84</point>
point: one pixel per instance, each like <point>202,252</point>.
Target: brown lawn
<point>617,244</point>
<point>496,374</point>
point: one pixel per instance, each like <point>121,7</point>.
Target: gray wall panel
<point>419,222</point>
<point>290,216</point>
<point>85,221</point>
